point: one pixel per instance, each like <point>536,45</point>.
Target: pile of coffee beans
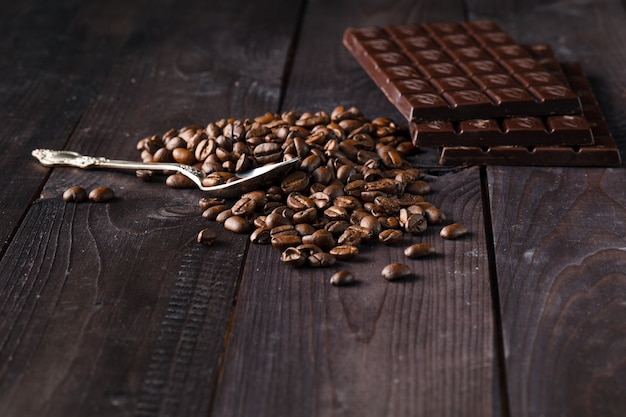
<point>352,184</point>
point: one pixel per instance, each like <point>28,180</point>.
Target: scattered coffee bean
<point>237,224</point>
<point>453,231</point>
<point>419,250</point>
<point>207,237</point>
<point>75,194</point>
<point>344,252</point>
<point>101,194</point>
<point>293,257</point>
<point>395,271</point>
<point>342,277</point>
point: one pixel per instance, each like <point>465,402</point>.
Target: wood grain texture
<point>55,57</point>
<point>114,309</point>
<point>424,346</point>
<point>559,234</point>
<point>560,242</point>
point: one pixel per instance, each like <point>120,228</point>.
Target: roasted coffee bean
<point>351,237</point>
<point>321,259</point>
<point>75,194</point>
<point>207,237</point>
<point>387,205</point>
<point>304,229</point>
<point>223,215</point>
<point>418,187</point>
<point>419,250</point>
<point>299,202</point>
<point>347,202</point>
<point>101,194</point>
<point>434,215</point>
<point>183,156</point>
<point>268,152</point>
<point>336,227</point>
<point>237,224</point>
<point>395,271</point>
<point>336,213</point>
<point>305,216</point>
<point>322,238</point>
<point>293,257</point>
<point>244,206</point>
<point>390,236</point>
<point>295,181</point>
<point>415,224</point>
<point>179,181</point>
<point>342,277</point>
<point>344,252</point>
<point>372,223</point>
<point>453,231</point>
<point>212,212</point>
<point>206,202</point>
<point>309,249</point>
<point>275,219</point>
<point>321,200</point>
<point>261,236</point>
<point>282,242</point>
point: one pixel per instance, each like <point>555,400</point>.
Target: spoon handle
<point>51,158</point>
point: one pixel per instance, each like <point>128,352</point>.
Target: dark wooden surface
<point>114,309</point>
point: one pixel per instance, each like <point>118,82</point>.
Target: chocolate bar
<point>603,152</point>
<point>510,131</point>
<point>457,71</point>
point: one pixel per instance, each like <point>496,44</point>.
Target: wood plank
<point>55,57</point>
<point>115,309</point>
<point>560,247</point>
<point>299,346</point>
<point>559,234</point>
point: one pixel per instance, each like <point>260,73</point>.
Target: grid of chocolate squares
<point>470,90</point>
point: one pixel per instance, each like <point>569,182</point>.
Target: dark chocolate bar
<point>520,131</point>
<point>603,152</point>
<point>510,131</point>
<point>457,71</point>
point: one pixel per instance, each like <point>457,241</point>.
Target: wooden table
<point>114,309</point>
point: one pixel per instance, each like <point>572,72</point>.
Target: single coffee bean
<point>419,250</point>
<point>395,271</point>
<point>207,237</point>
<point>344,252</point>
<point>321,259</point>
<point>304,229</point>
<point>179,181</point>
<point>223,215</point>
<point>453,231</point>
<point>237,224</point>
<point>295,182</point>
<point>415,224</point>
<point>322,238</point>
<point>101,194</point>
<point>261,236</point>
<point>282,242</point>
<point>293,257</point>
<point>206,202</point>
<point>76,194</point>
<point>434,215</point>
<point>244,206</point>
<point>390,236</point>
<point>342,277</point>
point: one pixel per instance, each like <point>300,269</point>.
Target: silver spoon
<point>246,181</point>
